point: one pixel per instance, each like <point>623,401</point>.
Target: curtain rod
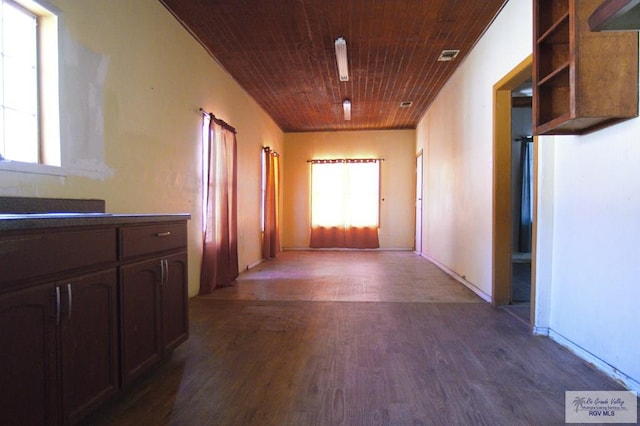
<point>268,149</point>
<point>346,160</point>
<point>219,121</point>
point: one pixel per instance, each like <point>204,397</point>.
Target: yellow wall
<point>132,80</point>
<point>397,147</point>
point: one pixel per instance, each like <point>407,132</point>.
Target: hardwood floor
<point>354,338</point>
<point>348,276</point>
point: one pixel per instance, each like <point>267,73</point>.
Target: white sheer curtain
<point>345,200</point>
<point>219,199</point>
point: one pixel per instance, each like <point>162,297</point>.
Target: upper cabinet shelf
<point>583,80</point>
<point>616,15</point>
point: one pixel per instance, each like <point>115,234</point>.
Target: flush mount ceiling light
<point>448,55</point>
<point>341,58</point>
<point>346,106</point>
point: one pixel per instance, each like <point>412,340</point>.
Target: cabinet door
<point>28,357</point>
<point>140,308</point>
<point>175,321</point>
<point>89,342</point>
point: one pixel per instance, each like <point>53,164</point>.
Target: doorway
<point>509,261</point>
<point>418,236</point>
<point>521,199</point>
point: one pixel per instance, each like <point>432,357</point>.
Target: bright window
<point>345,193</point>
<point>263,190</point>
<point>206,123</point>
<point>29,117</point>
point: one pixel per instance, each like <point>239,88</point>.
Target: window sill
<point>39,169</point>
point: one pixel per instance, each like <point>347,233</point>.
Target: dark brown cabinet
<point>89,342</point>
<point>153,295</point>
<point>140,304</point>
<point>28,356</point>
<point>78,316</point>
<point>58,324</point>
<point>582,81</point>
<point>83,312</point>
<point>175,322</point>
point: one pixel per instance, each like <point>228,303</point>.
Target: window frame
<point>48,93</point>
<point>342,166</point>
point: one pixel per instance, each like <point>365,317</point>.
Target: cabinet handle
<point>163,234</point>
<point>166,270</point>
<point>69,295</point>
<point>162,272</point>
<point>57,305</point>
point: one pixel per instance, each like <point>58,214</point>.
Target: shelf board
<point>568,125</point>
<point>563,20</point>
<point>616,15</point>
<point>582,78</point>
<point>548,126</point>
<point>553,74</point>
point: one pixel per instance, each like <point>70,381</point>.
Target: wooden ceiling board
<point>282,53</point>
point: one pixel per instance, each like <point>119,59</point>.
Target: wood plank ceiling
<point>282,53</point>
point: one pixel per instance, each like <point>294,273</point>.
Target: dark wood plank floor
<point>326,362</point>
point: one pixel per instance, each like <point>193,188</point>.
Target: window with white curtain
<point>345,193</point>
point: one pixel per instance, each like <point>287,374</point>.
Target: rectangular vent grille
<point>448,55</point>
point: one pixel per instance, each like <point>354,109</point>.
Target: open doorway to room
<point>418,216</point>
<point>514,194</point>
<point>521,197</point>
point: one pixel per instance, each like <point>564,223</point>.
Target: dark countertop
<point>10,222</point>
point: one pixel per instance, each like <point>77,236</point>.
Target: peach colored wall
<point>397,147</point>
<point>132,80</point>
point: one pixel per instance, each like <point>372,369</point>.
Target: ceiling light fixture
<point>341,58</point>
<point>346,106</point>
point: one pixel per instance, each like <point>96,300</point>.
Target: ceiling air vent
<point>405,104</point>
<point>448,55</point>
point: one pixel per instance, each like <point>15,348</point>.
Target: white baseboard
<point>254,264</point>
<point>484,296</point>
<point>540,331</point>
<point>603,366</point>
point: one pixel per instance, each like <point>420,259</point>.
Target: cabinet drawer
<point>32,255</point>
<point>142,240</point>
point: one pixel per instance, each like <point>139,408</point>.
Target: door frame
<point>502,224</point>
<point>419,203</point>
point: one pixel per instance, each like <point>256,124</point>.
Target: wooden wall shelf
<point>616,15</point>
<point>582,81</point>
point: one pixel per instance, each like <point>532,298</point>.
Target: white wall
<point>595,292</point>
<point>456,135</point>
<point>588,236</point>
